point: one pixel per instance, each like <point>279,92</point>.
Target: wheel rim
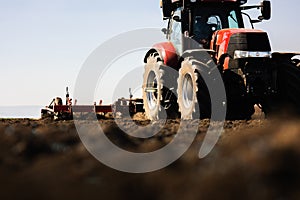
<point>187,91</point>
<point>152,88</point>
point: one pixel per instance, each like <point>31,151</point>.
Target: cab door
<point>175,31</point>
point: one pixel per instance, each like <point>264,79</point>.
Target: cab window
<point>214,22</point>
<point>176,32</point>
<point>232,20</point>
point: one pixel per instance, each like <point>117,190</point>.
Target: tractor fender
<point>167,53</point>
<point>284,57</point>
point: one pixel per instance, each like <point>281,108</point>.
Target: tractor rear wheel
<point>239,106</point>
<point>288,87</point>
<point>158,89</point>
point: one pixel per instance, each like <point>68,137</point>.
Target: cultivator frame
<point>121,108</point>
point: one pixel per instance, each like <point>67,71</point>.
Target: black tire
<point>160,101</point>
<point>239,107</point>
<point>193,96</point>
<point>46,115</point>
<point>288,87</point>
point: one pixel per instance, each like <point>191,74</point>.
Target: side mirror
<point>177,18</point>
<point>266,10</point>
<point>165,31</point>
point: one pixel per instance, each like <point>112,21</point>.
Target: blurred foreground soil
<point>256,159</point>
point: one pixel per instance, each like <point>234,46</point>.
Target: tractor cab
<point>199,20</point>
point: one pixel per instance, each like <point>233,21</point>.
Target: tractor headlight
<point>252,54</point>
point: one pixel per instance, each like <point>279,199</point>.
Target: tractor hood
<point>246,41</point>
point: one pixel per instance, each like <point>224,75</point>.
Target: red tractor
<point>204,36</point>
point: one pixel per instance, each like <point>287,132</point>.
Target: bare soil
<point>256,159</point>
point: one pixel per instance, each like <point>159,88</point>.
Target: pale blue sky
<point>44,43</point>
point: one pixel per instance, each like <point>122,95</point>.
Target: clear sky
<point>44,43</point>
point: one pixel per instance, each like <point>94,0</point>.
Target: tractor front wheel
<point>158,89</point>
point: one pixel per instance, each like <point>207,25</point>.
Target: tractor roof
<point>241,2</point>
<point>170,5</point>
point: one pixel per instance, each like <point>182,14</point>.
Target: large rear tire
<point>160,101</point>
<point>288,87</point>
<point>239,106</point>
